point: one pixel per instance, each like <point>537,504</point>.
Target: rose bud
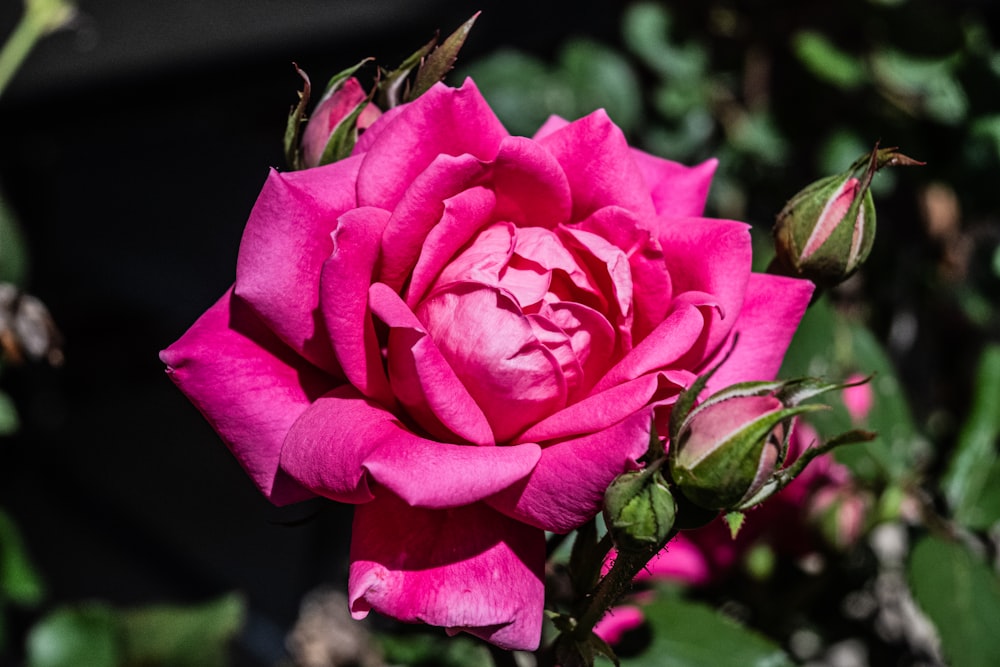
<point>730,449</point>
<point>344,102</point>
<point>727,452</point>
<point>825,232</point>
<point>639,510</point>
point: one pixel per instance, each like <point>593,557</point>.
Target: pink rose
<point>466,334</point>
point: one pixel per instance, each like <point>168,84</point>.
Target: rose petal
<point>677,190</point>
<point>711,258</point>
<point>530,184</point>
<point>602,410</point>
<point>286,241</point>
<point>343,435</point>
<point>249,386</point>
<point>551,125</point>
<point>463,215</point>
<point>670,341</point>
<point>771,313</point>
<point>651,287</point>
<point>443,121</point>
<point>566,488</point>
<point>492,348</point>
<point>421,209</point>
<point>599,165</point>
<point>468,569</point>
<point>344,282</point>
<point>421,376</point>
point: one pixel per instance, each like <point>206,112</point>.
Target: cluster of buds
<point>345,109</point>
<point>826,231</point>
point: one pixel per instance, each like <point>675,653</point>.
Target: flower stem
<point>39,18</point>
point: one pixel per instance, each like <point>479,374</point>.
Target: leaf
<point>971,479</point>
<point>14,262</point>
<point>9,421</point>
<point>74,636</point>
<point>600,77</point>
<point>828,63</point>
<point>961,595</point>
<point>20,582</point>
<point>691,634</point>
<point>182,636</point>
<point>830,345</point>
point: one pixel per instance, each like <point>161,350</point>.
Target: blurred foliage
<point>97,635</point>
<point>784,93</point>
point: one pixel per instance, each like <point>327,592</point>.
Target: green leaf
<point>20,582</point>
<point>961,595</point>
<point>13,250</point>
<point>970,483</point>
<point>601,78</point>
<point>9,421</point>
<point>521,90</point>
<point>182,636</point>
<point>690,634</point>
<point>422,649</point>
<point>827,344</point>
<point>74,636</point>
<point>828,63</point>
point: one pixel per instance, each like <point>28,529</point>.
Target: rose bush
<point>468,334</point>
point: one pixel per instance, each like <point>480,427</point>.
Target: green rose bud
<point>826,231</point>
<point>639,510</point>
<point>727,451</point>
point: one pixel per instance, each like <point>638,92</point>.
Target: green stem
<point>40,17</point>
<point>613,587</point>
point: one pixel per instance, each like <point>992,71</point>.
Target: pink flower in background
<point>467,334</point>
<point>859,399</point>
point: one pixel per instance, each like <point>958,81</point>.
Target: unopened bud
<point>826,231</point>
<point>639,510</point>
<point>346,102</point>
<point>730,449</point>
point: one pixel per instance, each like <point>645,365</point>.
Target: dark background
<point>132,147</point>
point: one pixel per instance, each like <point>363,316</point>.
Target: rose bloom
<point>467,334</point>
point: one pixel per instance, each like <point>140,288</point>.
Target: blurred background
<point>134,140</point>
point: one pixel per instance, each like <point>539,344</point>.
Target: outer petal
<point>670,341</point>
<point>712,257</point>
<point>602,410</point>
<point>771,313</point>
<point>286,241</point>
<point>249,386</point>
<point>599,165</point>
<point>344,283</point>
<point>468,569</point>
<point>442,121</point>
<point>678,190</point>
<point>567,486</point>
<point>343,436</point>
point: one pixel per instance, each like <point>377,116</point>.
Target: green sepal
<point>391,89</point>
<point>722,479</point>
<point>296,119</point>
<point>639,510</point>
<point>441,60</point>
<point>735,521</point>
<point>784,477</point>
<point>345,134</point>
